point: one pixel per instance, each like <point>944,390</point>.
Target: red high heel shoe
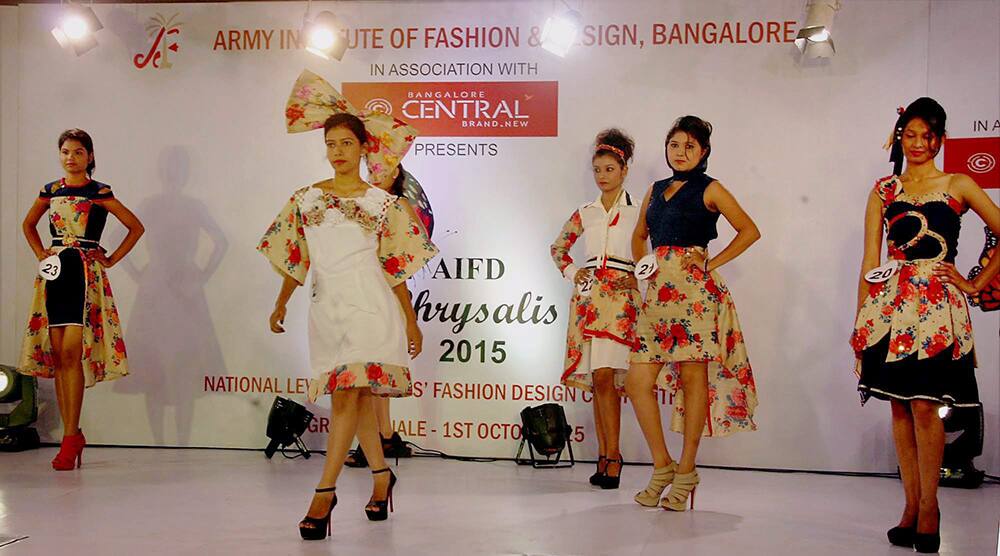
<point>70,454</point>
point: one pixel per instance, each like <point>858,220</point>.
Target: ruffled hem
<point>939,378</point>
<point>391,381</point>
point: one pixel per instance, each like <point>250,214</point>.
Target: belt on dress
<point>611,262</point>
<point>76,243</point>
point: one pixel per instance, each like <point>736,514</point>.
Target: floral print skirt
<point>913,340</point>
<point>689,315</point>
<point>597,324</point>
<point>104,356</point>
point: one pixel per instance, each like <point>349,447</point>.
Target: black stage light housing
<point>963,427</point>
<point>286,422</point>
<point>18,410</point>
<point>545,430</point>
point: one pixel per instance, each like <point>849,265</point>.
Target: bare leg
<point>906,452</point>
<point>929,431</point>
<point>70,371</point>
<point>343,425</point>
<point>371,445</point>
<point>606,397</point>
<point>56,337</point>
<point>694,382</point>
<point>382,417</point>
<point>639,383</point>
<point>602,445</point>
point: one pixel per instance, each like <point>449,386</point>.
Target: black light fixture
<point>286,422</point>
<point>545,431</point>
<point>76,29</point>
<point>963,427</point>
<point>18,410</point>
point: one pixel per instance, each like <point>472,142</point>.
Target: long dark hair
<point>84,139</point>
<point>926,109</point>
<point>397,184</point>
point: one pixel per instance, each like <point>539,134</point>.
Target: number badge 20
<point>882,273</point>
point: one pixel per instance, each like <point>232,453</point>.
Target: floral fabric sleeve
<point>404,247</point>
<point>571,231</point>
<point>284,243</point>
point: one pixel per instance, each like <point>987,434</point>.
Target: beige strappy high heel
<point>662,477</point>
<point>684,485</point>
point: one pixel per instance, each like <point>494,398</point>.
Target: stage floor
<point>147,501</point>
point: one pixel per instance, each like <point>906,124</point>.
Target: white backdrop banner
<point>186,103</point>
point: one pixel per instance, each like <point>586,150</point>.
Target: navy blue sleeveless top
<point>684,220</point>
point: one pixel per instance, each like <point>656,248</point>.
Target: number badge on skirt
<point>882,273</point>
<point>586,286</point>
<point>50,267</point>
<point>646,267</point>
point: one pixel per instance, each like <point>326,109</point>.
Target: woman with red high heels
<point>913,334</point>
<point>74,334</point>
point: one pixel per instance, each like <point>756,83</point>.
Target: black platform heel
<point>901,536</point>
<point>320,525</point>
<point>383,507</point>
<point>595,479</point>
<point>607,481</point>
<point>928,543</point>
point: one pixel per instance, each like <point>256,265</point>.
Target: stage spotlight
<point>560,31</point>
<point>963,427</point>
<point>286,422</point>
<point>814,39</point>
<point>77,28</point>
<point>18,410</point>
<point>545,430</point>
<point>324,36</point>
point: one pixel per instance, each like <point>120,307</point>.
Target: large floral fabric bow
<point>313,100</point>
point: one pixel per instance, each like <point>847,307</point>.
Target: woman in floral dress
<point>690,342</point>
<point>602,318</point>
<point>361,244</point>
<point>913,334</point>
<point>74,334</point>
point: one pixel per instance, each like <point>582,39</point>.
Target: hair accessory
<point>616,150</point>
<point>313,100</point>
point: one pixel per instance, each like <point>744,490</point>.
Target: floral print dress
<point>81,295</point>
<point>601,331</point>
<point>689,315</point>
<point>913,334</point>
<point>358,249</point>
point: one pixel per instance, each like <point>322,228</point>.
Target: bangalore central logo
<point>981,163</point>
<point>160,29</point>
<point>379,105</point>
